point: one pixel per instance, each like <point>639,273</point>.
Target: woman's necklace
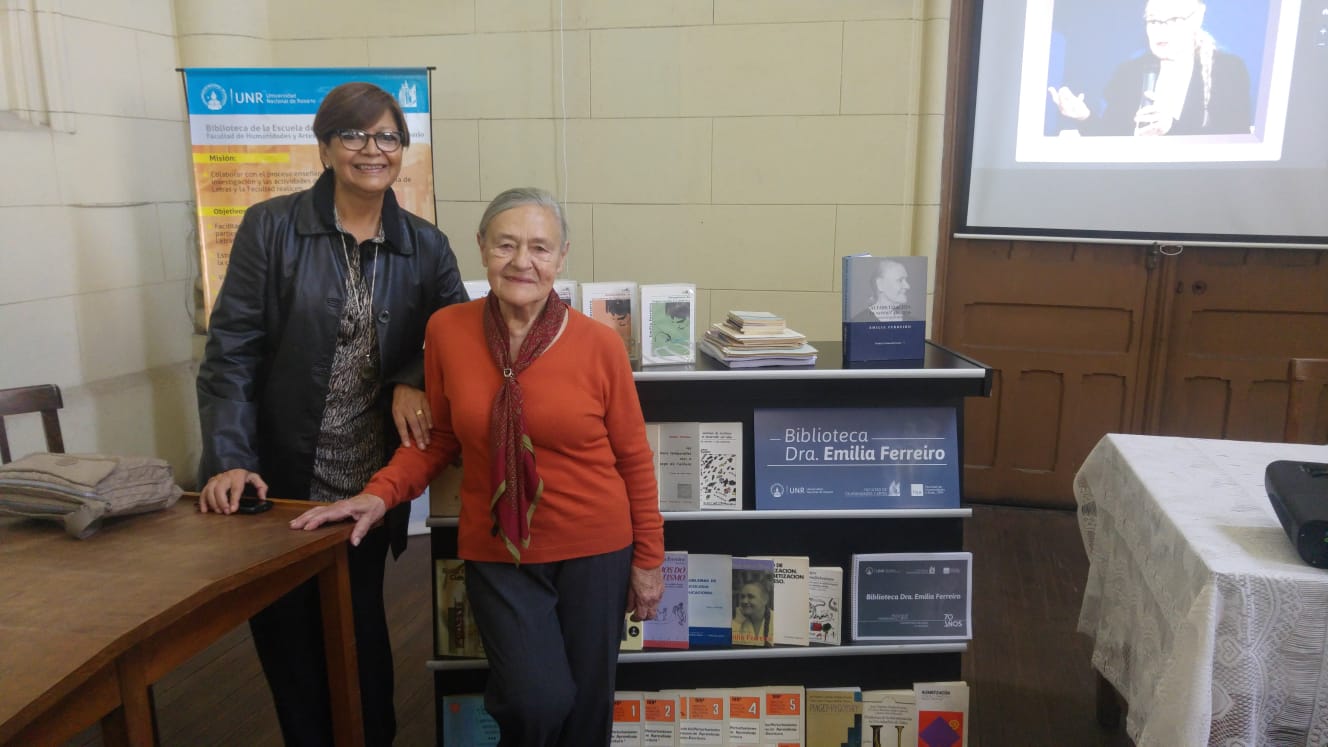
<point>359,304</point>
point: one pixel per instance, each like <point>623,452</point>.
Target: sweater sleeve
<point>411,468</point>
<point>627,434</point>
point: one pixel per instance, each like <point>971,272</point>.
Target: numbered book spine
<point>628,720</point>
<point>783,716</point>
<point>661,725</point>
<point>703,718</point>
<point>719,447</point>
<point>745,713</point>
<point>668,324</point>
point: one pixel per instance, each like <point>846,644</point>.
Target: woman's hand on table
<point>221,494</point>
<point>364,509</point>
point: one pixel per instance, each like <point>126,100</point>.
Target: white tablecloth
<point>1202,614</point>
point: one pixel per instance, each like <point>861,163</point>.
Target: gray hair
<point>524,196</point>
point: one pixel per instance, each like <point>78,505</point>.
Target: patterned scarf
<point>516,484</point>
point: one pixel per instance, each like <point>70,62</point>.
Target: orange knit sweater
<point>584,419</point>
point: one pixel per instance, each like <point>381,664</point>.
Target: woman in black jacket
<point>312,374</point>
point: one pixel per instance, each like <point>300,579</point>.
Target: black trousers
<point>551,632</point>
<point>289,638</point>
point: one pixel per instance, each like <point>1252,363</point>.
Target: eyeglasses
<point>1169,22</point>
<point>388,141</point>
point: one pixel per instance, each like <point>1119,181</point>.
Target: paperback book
<point>942,713</point>
<point>720,473</point>
<point>884,307</point>
<point>668,324</point>
<point>824,588</point>
<point>834,716</point>
<point>455,631</point>
<point>660,728</point>
<point>745,716</point>
<point>566,290</point>
<point>476,289</point>
<point>615,305</point>
<point>783,716</point>
<point>669,627</point>
<point>889,719</point>
<point>753,601</point>
<point>628,719</point>
<point>703,718</point>
<point>679,470</point>
<point>792,625</point>
<point>709,599</point>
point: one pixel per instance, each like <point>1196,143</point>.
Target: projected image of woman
<point>1183,84</point>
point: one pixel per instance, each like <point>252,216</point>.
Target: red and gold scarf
<point>516,483</point>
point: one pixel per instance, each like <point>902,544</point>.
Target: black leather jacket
<point>263,382</point>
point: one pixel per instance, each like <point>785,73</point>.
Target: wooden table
<point>86,626</point>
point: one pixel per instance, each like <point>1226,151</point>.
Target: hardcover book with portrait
<point>884,307</point>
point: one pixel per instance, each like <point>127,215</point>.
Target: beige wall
<point>743,145</point>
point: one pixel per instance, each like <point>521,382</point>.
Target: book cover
<point>746,708</point>
<point>652,438</point>
<point>824,589</point>
<point>455,631</point>
<point>476,289</point>
<point>753,601</point>
<point>669,627</point>
<point>889,719</point>
<point>834,716</point>
<point>668,323</point>
<point>703,718</point>
<point>633,634</point>
<point>566,290</point>
<point>719,448</point>
<point>628,719</point>
<point>792,625</point>
<point>660,728</point>
<point>709,599</point>
<point>445,491</point>
<point>466,723</point>
<point>942,713</point>
<point>615,305</point>
<point>884,307</point>
<point>679,467</point>
<point>782,723</point>
<point>901,596</point>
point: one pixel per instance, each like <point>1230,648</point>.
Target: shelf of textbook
<point>874,513</point>
<point>448,664</point>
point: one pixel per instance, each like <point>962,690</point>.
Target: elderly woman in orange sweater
<point>560,524</point>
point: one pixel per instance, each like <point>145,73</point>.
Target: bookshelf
<point>706,391</point>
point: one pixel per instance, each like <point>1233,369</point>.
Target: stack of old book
<point>749,339</point>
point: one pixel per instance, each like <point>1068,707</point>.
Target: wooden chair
<point>1306,379</point>
<point>44,399</point>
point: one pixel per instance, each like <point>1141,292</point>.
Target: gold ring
<point>419,412</point>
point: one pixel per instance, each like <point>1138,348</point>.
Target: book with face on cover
<point>614,304</point>
<point>792,625</point>
<point>753,602</point>
<point>668,323</point>
<point>884,307</point>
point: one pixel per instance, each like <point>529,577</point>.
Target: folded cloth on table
<point>82,489</point>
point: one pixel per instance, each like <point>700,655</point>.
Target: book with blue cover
<point>884,307</point>
<point>466,723</point>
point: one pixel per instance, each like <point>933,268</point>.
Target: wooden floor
<point>1027,667</point>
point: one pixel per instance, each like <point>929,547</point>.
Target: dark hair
<point>356,105</point>
<point>618,306</point>
<point>678,309</point>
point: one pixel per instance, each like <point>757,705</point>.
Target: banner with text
<point>252,138</point>
<point>884,457</point>
<point>912,595</point>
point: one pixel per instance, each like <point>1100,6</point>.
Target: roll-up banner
<point>251,132</point>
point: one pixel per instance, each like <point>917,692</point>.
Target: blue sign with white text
<point>269,91</point>
<point>829,458</point>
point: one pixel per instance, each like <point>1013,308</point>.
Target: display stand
<point>709,392</point>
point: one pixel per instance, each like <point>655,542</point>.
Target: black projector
<point>1299,494</point>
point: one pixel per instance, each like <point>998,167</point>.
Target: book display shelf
<point>708,391</point>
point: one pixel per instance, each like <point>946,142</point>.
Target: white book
<point>661,725</point>
<point>566,290</point>
<point>888,718</point>
<point>719,450</point>
<point>668,323</point>
<point>825,586</point>
<point>942,712</point>
<point>614,304</point>
<point>652,438</point>
<point>709,599</point>
<point>782,717</point>
<point>792,624</point>
<point>476,289</point>
<point>703,718</point>
<point>746,709</point>
<point>679,467</point>
<point>628,719</point>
